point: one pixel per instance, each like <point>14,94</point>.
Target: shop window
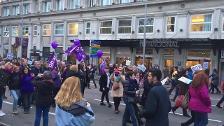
<point>199,53</point>
<point>168,51</point>
<point>59,29</point>
<point>73,28</point>
<point>148,61</point>
<point>124,26</point>
<point>15,31</point>
<point>88,28</point>
<point>25,30</point>
<point>171,24</point>
<point>46,29</point>
<point>200,23</point>
<point>148,51</point>
<point>149,24</point>
<point>73,4</point>
<point>168,63</point>
<point>106,27</point>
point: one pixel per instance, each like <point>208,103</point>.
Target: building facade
<point>28,27</point>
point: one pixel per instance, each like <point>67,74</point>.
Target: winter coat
<point>68,117</point>
<point>157,106</point>
<point>44,93</point>
<point>26,84</point>
<point>14,84</point>
<point>118,92</point>
<point>199,99</point>
<point>4,80</point>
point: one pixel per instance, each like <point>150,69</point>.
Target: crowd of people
<point>147,100</point>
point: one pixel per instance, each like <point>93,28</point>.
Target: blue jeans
<point>39,110</point>
<point>129,111</point>
<point>200,118</point>
<point>15,94</point>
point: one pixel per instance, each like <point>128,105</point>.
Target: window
<point>73,28</point>
<point>201,23</point>
<point>106,2</point>
<point>35,30</point>
<point>46,6</point>
<point>15,31</point>
<point>148,25</point>
<point>25,30</point>
<point>88,28</point>
<point>125,1</point>
<point>15,10</point>
<point>59,29</point>
<point>59,5</point>
<point>106,27</point>
<point>124,26</point>
<point>170,24</point>
<point>26,8</point>
<point>73,4</point>
<point>46,29</point>
<point>92,3</point>
<point>6,11</point>
<point>6,31</point>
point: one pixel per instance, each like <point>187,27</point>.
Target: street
<point>104,116</point>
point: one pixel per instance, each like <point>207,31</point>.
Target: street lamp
<point>144,41</point>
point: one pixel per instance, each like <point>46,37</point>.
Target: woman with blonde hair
<point>71,108</point>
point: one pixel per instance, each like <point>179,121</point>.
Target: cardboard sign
<point>164,80</point>
<point>9,56</point>
<point>196,68</point>
<point>205,65</point>
<point>128,62</point>
<point>141,67</point>
<point>185,80</point>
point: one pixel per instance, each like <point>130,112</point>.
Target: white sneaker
<point>2,113</point>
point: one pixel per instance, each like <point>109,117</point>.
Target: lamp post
<point>21,34</point>
<point>144,40</point>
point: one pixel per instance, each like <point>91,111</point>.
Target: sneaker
<point>15,112</point>
<point>2,113</point>
<point>218,106</point>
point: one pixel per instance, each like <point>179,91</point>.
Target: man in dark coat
<point>105,86</point>
<point>157,104</point>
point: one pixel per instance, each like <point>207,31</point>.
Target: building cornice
<point>92,9</point>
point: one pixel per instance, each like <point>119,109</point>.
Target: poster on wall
<point>94,47</point>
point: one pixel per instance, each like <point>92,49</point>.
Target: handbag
<point>185,101</point>
<point>179,101</point>
<point>115,86</point>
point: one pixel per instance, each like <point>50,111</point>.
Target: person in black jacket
<point>130,88</point>
<point>44,97</point>
<point>105,86</point>
<point>215,82</point>
<point>14,87</point>
<point>158,104</point>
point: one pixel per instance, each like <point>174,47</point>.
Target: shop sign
<point>222,54</point>
<point>160,43</point>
